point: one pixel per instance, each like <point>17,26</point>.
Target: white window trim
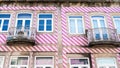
<point>78,64</point>
<point>76,28</point>
<point>18,65</point>
<point>98,20</point>
<point>107,66</point>
<point>45,22</point>
<point>43,65</point>
<point>2,61</point>
<point>114,22</point>
<point>5,19</point>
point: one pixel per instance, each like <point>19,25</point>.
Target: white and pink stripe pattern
<point>93,61</point>
<point>82,40</point>
<point>118,58</point>
<point>45,48</point>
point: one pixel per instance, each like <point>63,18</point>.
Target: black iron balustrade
<point>100,36</point>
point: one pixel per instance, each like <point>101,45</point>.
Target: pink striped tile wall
<point>44,38</point>
<point>82,40</point>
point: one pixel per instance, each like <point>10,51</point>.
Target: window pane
<point>19,24</point>
<point>39,67</point>
<point>75,16</point>
<point>5,25</point>
<point>72,26</point>
<point>80,26</point>
<point>49,25</point>
<point>106,61</point>
<point>95,23</point>
<point>41,25</point>
<point>48,67</point>
<point>22,60</point>
<point>0,23</point>
<point>27,24</point>
<point>45,15</point>
<point>24,15</point>
<point>44,61</point>
<point>4,15</point>
<point>1,60</point>
<point>102,23</point>
<point>98,17</point>
<point>117,23</point>
<point>79,61</point>
<point>74,67</point>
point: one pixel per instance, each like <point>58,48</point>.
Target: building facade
<point>60,34</point>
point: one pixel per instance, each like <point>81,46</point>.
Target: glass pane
<point>4,15</point>
<point>22,60</point>
<point>84,67</point>
<point>106,61</point>
<point>44,61</point>
<point>49,25</point>
<point>75,16</point>
<point>5,25</point>
<point>39,67</point>
<point>98,17</point>
<point>48,67</point>
<point>24,15</point>
<point>14,61</point>
<point>1,60</point>
<point>0,22</point>
<point>74,67</point>
<point>41,25</point>
<point>117,23</point>
<point>79,61</point>
<point>45,15</point>
<point>19,24</point>
<point>116,16</point>
<point>27,24</point>
<point>80,26</point>
<point>23,67</point>
<point>95,24</point>
<point>102,23</point>
<point>72,26</point>
<point>102,67</point>
<point>14,67</point>
<point>111,66</point>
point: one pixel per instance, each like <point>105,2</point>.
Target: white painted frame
<point>76,29</point>
<point>23,23</point>
<point>3,21</point>
<point>98,20</point>
<point>18,66</point>
<point>107,66</point>
<point>114,22</point>
<point>52,66</point>
<point>78,65</point>
<point>45,19</point>
<point>2,61</point>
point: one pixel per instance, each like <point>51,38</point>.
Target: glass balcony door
<point>100,31</point>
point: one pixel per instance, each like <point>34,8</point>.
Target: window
<point>106,63</point>
<point>100,29</point>
<point>1,61</point>
<point>79,63</point>
<point>44,62</point>
<point>23,22</point>
<point>116,20</point>
<point>76,25</point>
<point>19,62</point>
<point>45,23</point>
<point>4,22</point>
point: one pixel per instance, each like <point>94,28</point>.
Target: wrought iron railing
<point>23,32</point>
<point>102,34</point>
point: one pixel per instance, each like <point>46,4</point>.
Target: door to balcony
<point>99,28</point>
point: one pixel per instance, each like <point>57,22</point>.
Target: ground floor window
<point>79,63</point>
<point>44,62</point>
<point>1,61</point>
<point>106,63</point>
<point>19,62</point>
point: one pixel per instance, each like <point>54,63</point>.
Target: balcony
<point>102,36</point>
<point>21,35</point>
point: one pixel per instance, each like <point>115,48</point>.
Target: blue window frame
<point>4,22</point>
<point>100,31</point>
<point>23,22</point>
<point>116,20</point>
<point>45,23</point>
<point>76,25</point>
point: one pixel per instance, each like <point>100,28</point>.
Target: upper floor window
<point>19,62</point>
<point>79,63</point>
<point>106,62</point>
<point>116,20</point>
<point>44,62</point>
<point>1,61</point>
<point>4,22</point>
<point>76,25</point>
<point>45,22</point>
